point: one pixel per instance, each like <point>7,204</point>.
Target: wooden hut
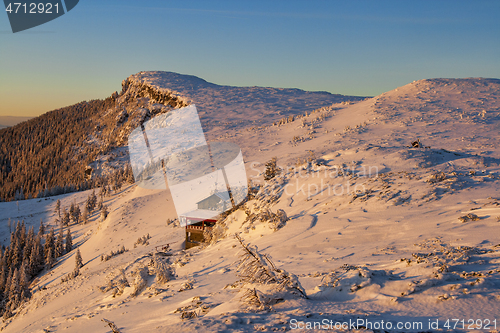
<point>204,217</point>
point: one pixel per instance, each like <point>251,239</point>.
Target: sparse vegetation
<point>161,269</point>
<point>106,257</point>
<point>142,240</point>
<point>216,233</point>
<point>140,281</point>
<point>272,169</point>
<point>111,325</point>
<point>437,177</point>
<point>117,284</point>
<point>469,217</point>
<point>257,269</point>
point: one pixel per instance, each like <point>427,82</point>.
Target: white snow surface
<point>228,107</point>
<point>373,230</point>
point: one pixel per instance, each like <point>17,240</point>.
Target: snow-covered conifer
<point>49,259</point>
<point>58,208</point>
<point>104,212</point>
<point>41,229</point>
<point>49,243</point>
<point>78,260</point>
<point>76,214</point>
<point>59,245</point>
<point>65,218</point>
<point>69,241</point>
<point>85,215</point>
<point>24,282</point>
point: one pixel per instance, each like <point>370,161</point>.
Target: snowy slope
<point>376,230</point>
<point>225,107</point>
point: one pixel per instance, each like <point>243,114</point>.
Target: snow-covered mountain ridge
<point>100,128</point>
<point>380,226</point>
<point>225,107</point>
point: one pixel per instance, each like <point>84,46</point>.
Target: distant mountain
<point>7,121</point>
<point>52,153</point>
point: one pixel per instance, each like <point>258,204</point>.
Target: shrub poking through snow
<point>104,212</point>
<point>216,233</point>
<point>347,279</point>
<point>106,257</point>
<point>437,177</point>
<point>140,282</point>
<point>193,310</point>
<point>276,220</point>
<point>186,286</point>
<point>70,276</point>
<point>161,269</point>
<point>270,285</point>
<point>257,300</point>
<point>117,284</point>
<point>469,217</point>
<point>142,240</point>
<point>111,325</point>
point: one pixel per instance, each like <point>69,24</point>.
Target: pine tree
<point>118,181</point>
<point>37,261</point>
<point>76,214</point>
<point>72,210</point>
<point>271,169</point>
<point>7,314</point>
<point>59,245</point>
<point>65,218</point>
<point>17,231</point>
<point>129,175</point>
<point>91,202</point>
<point>85,215</point>
<point>49,259</point>
<point>28,246</point>
<point>49,243</point>
<point>69,241</point>
<point>15,290</point>
<point>104,212</point>
<point>34,261</point>
<point>104,191</point>
<point>24,281</point>
<point>3,274</point>
<point>8,282</point>
<point>22,234</point>
<point>17,252</point>
<point>100,204</point>
<point>41,229</point>
<point>58,208</point>
<point>78,260</point>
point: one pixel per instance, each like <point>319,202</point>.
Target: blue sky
<point>347,47</point>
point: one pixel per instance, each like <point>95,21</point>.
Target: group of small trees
<point>73,215</point>
<point>76,215</point>
<point>27,255</point>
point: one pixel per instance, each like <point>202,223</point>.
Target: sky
<point>361,48</point>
